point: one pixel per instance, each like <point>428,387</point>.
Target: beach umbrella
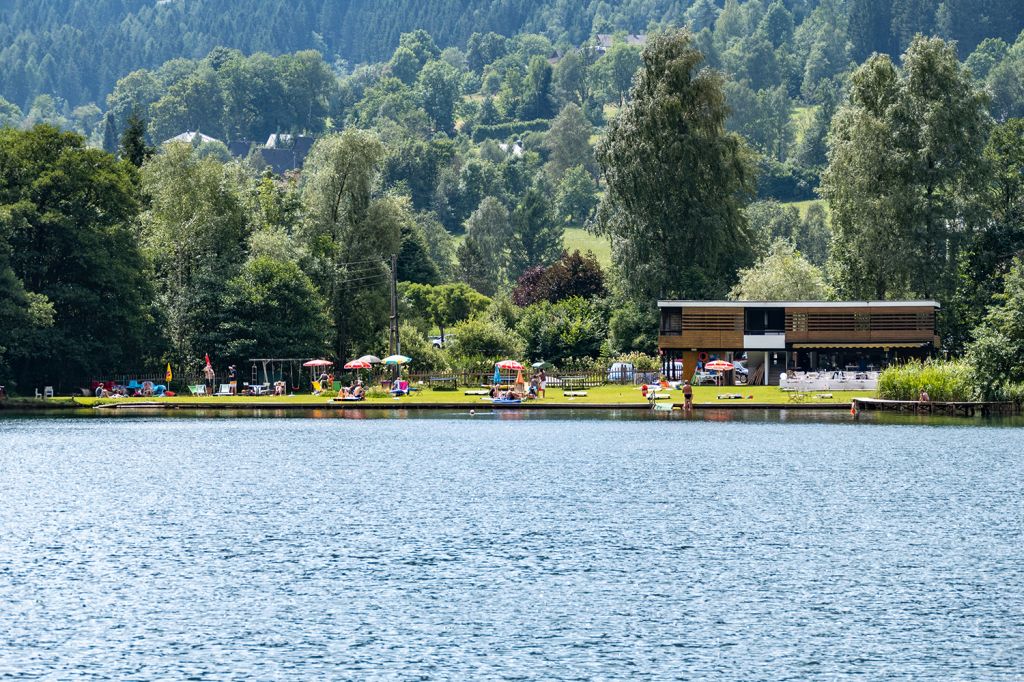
<point>519,377</point>
<point>396,360</point>
<point>541,364</point>
<point>317,363</point>
<point>372,359</point>
<point>719,365</point>
<point>497,375</point>
<point>358,364</point>
<point>509,365</point>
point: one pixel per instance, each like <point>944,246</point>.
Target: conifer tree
<point>133,147</point>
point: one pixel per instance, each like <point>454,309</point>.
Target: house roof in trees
<point>280,160</point>
<point>606,40</point>
<point>190,136</point>
<point>282,152</point>
<point>299,143</point>
<point>239,148</point>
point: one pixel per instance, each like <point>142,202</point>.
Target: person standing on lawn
<point>209,376</point>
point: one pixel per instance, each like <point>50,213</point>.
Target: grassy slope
<point>802,206</point>
<point>801,119</point>
<point>578,238</point>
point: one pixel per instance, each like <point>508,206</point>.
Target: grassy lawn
<point>578,238</point>
<point>608,394</point>
<point>803,206</point>
<point>801,118</point>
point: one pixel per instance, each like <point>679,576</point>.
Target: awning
<point>840,346</point>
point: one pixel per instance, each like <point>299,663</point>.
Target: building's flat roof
<point>797,304</point>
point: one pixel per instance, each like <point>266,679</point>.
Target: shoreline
<point>238,406</point>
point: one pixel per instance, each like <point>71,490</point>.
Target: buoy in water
<point>472,412</point>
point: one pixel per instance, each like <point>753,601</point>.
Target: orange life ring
<point>702,356</point>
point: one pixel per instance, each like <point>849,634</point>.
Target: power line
<point>365,280</point>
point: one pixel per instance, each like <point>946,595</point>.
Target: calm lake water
<point>549,547</point>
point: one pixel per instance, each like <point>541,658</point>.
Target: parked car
<point>621,371</point>
<point>438,342</point>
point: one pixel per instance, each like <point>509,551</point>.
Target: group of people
<point>518,391</point>
<point>146,390</point>
<point>356,391</point>
<point>651,392</point>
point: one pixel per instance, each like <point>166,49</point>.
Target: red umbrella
<point>719,365</point>
<point>358,364</point>
<point>509,364</point>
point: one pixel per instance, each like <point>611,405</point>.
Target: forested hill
<point>77,49</point>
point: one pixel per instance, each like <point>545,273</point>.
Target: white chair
<point>48,392</point>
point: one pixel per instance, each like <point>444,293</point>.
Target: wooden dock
<point>936,407</point>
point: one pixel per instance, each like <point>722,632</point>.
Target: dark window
<point>764,321</point>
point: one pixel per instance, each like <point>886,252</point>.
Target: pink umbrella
<point>317,363</point>
<point>358,364</point>
<point>509,364</point>
<point>719,365</point>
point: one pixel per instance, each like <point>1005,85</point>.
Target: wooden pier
<point>936,407</point>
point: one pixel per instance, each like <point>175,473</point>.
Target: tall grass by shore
<point>943,380</point>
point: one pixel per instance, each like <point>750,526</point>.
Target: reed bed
<point>943,380</point>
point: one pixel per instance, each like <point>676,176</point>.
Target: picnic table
<point>443,381</point>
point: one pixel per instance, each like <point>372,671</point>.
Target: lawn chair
<point>198,390</point>
<point>225,389</point>
<point>48,392</point>
<point>401,387</point>
<point>317,390</point>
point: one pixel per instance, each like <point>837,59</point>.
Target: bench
<point>443,382</point>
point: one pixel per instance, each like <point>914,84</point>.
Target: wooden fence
<point>571,380</point>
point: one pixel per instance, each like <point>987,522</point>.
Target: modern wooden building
<point>779,336</point>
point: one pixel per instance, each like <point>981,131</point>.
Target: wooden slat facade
<point>722,328</point>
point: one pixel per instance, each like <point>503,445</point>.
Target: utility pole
<point>394,344</point>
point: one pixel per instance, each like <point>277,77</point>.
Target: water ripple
<point>535,549</point>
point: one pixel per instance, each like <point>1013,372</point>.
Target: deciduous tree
<point>905,166</point>
<point>783,274</point>
<point>677,180</point>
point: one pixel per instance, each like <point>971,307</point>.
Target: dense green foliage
<point>942,380</point>
<point>74,287</point>
<point>677,181</point>
<point>460,140</point>
<point>998,344</point>
<point>782,274</point>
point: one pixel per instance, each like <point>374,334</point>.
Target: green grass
<point>803,206</point>
<point>801,118</point>
<point>609,394</point>
<point>578,238</point>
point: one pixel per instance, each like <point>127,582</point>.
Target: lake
<point>550,546</point>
